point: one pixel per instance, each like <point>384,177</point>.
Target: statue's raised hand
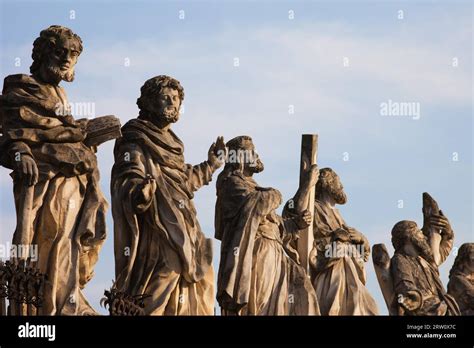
<point>441,224</point>
<point>217,153</point>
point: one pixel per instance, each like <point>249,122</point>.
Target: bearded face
<point>245,157</point>
<point>252,160</point>
<point>338,194</point>
<point>167,105</point>
<point>420,242</point>
<point>60,74</point>
<point>256,167</point>
<point>58,65</point>
<point>335,189</point>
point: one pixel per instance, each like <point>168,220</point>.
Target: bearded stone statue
<point>410,280</point>
<point>60,207</point>
<point>160,250</point>
<point>339,254</point>
<point>259,271</point>
<point>416,280</point>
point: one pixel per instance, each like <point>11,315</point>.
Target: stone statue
<point>160,249</point>
<point>461,279</point>
<point>338,255</point>
<point>258,271</point>
<point>410,281</point>
<point>60,207</point>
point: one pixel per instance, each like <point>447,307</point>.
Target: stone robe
<point>417,274</point>
<point>461,287</point>
<point>160,250</point>
<point>67,211</point>
<point>339,281</point>
<point>257,276</point>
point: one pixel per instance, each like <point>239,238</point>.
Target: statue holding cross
<point>332,253</point>
<point>259,272</point>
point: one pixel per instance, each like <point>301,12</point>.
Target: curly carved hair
<point>153,87</point>
<point>401,232</point>
<point>461,259</point>
<point>46,43</point>
<point>237,144</point>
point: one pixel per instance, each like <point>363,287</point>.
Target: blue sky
<point>282,62</point>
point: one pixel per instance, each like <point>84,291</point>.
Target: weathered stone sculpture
<point>60,207</point>
<point>122,304</point>
<point>23,286</point>
<point>339,253</point>
<point>461,279</point>
<point>410,281</point>
<point>160,249</point>
<point>258,271</point>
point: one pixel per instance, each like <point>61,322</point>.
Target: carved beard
<point>338,195</point>
<point>421,244</point>
<point>257,168</point>
<point>169,115</point>
<point>55,72</point>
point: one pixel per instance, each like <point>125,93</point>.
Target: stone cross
<point>309,151</point>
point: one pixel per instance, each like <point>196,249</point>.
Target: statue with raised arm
<point>338,255</point>
<point>60,207</point>
<point>258,271</point>
<point>410,280</point>
<point>161,253</point>
<point>461,279</point>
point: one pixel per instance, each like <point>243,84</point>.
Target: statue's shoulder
<point>401,262</point>
<point>235,176</point>
<point>132,132</point>
<point>228,180</point>
<point>397,256</point>
<point>132,124</point>
<point>20,81</point>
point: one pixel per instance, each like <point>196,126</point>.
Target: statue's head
<point>406,234</point>
<point>160,100</point>
<point>55,54</point>
<point>243,156</point>
<point>464,262</point>
<point>330,184</point>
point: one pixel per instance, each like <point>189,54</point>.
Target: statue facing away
<point>461,279</point>
<point>258,271</point>
<point>60,207</point>
<point>338,255</point>
<point>160,249</point>
<point>410,281</point>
